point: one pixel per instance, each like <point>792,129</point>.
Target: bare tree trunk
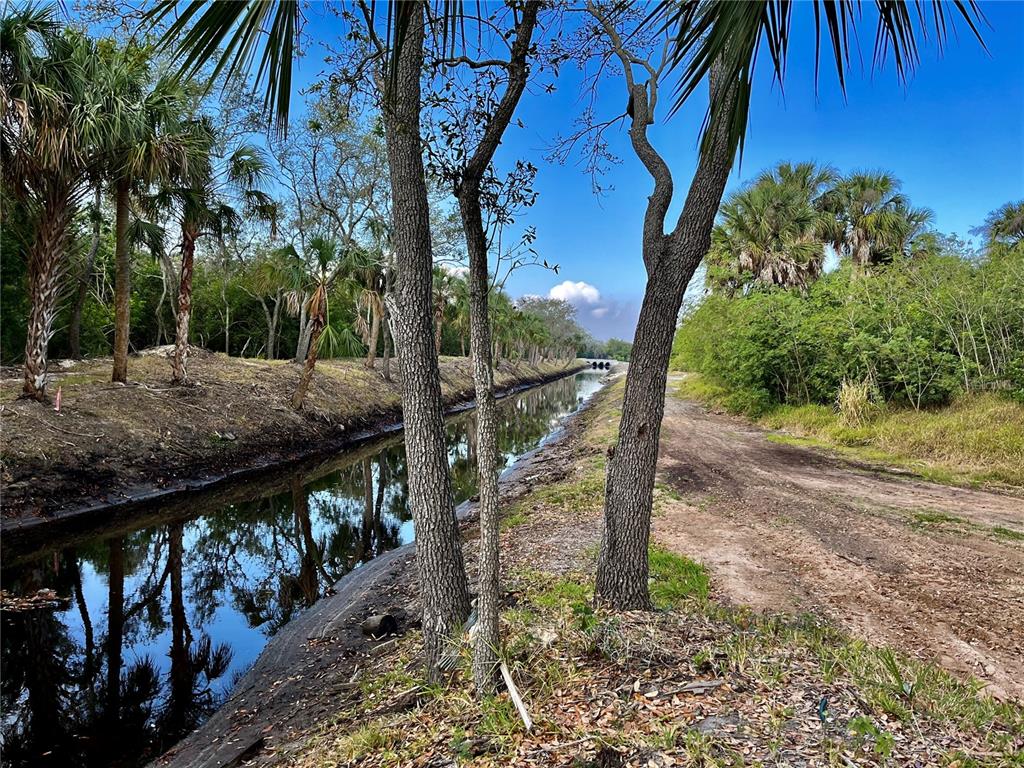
<point>305,328</point>
<point>622,568</point>
<point>442,572</point>
<point>179,363</point>
<point>82,291</point>
<point>386,322</point>
<point>487,639</point>
<point>122,282</point>
<point>371,352</point>
<point>44,271</point>
<point>317,323</point>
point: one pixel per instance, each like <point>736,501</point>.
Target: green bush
<point>921,329</point>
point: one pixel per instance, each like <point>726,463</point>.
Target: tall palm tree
<point>59,105</point>
<point>152,142</point>
<point>876,221</point>
<point>326,253</point>
<point>203,199</point>
<point>1004,225</point>
<point>443,295</point>
<point>366,271</point>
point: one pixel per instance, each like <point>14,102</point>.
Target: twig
<point>516,699</point>
<point>553,747</point>
<point>697,686</point>
<point>65,431</point>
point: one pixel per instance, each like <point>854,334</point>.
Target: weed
<point>1006,533</point>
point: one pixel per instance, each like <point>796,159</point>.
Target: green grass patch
<point>929,517</point>
<point>675,579</point>
<point>1005,533</point>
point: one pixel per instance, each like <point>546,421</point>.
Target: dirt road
<point>934,570</point>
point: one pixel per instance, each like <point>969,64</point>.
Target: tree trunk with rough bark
<point>82,290</point>
<point>122,282</point>
<point>670,260</point>
<point>439,560</point>
<point>44,272</point>
<point>371,351</point>
<point>188,251</point>
<point>305,327</point>
<point>317,324</point>
<point>487,640</point>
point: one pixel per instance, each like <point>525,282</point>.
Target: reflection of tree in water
<point>79,703</point>
<point>65,690</point>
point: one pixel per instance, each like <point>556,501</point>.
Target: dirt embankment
<point>113,443</point>
<point>934,570</point>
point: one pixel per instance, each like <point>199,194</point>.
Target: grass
<point>675,579</point>
<point>977,440</point>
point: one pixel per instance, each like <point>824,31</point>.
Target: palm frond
<point>730,35</point>
<point>240,30</point>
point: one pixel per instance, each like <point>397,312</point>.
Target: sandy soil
<point>915,565</point>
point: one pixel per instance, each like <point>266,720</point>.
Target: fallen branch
<point>697,686</point>
<point>516,699</point>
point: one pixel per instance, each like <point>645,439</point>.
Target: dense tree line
<point>915,316</point>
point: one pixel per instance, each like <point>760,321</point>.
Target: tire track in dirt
<point>785,528</point>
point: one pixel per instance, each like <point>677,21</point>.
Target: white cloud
<point>599,312</point>
<point>575,293</point>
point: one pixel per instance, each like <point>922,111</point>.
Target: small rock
<point>379,626</point>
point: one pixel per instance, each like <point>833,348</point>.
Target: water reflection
<point>143,633</point>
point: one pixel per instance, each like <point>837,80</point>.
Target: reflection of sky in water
<point>246,568</point>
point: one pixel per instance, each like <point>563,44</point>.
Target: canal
<point>117,643</point>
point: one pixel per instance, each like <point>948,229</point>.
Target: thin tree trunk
<point>622,568</point>
<point>122,282</point>
<point>487,639</point>
<point>82,292</point>
<point>179,364</point>
<point>318,321</point>
<point>386,322</point>
<point>442,573</point>
<point>44,273</point>
<point>371,352</point>
<point>305,328</point>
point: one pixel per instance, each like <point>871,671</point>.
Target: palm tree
<point>149,145</point>
<point>875,220</point>
<point>1005,225</point>
<point>201,200</point>
<point>366,271</point>
<point>773,230</point>
<point>325,251</point>
<point>58,108</point>
<point>443,295</point>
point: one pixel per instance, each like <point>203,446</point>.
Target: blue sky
<point>954,135</point>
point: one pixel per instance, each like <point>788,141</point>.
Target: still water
<point>148,628</point>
